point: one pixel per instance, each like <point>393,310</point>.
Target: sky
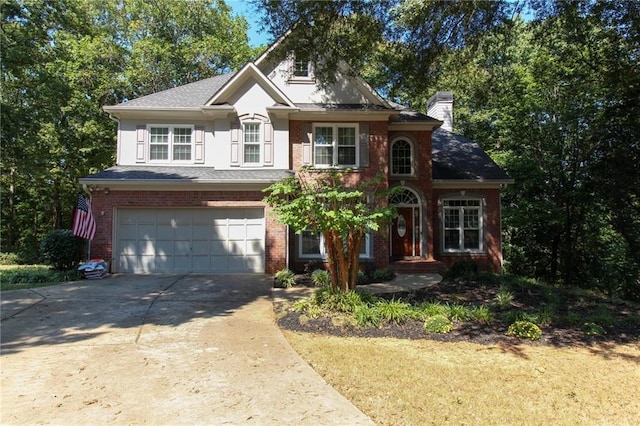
<point>252,14</point>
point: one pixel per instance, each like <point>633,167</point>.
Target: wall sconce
<point>106,191</point>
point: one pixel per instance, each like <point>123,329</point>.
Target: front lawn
<point>442,355</point>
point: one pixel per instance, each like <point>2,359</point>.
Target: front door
<point>405,231</point>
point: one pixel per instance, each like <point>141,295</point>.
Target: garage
<point>200,240</point>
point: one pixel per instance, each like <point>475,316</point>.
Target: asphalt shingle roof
<point>458,158</point>
<point>194,94</point>
<point>187,174</point>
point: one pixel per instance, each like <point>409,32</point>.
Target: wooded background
<point>550,89</point>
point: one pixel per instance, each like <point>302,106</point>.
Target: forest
<point>551,89</point>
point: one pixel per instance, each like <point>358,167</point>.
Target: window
<point>251,143</point>
<point>301,67</point>
<point>462,230</point>
<point>170,143</point>
<point>335,145</point>
<point>311,245</point>
<point>401,158</point>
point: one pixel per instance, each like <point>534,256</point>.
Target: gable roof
<point>248,71</point>
<point>458,158</point>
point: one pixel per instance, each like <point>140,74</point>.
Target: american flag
<point>84,225</point>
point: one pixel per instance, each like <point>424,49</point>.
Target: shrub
<point>465,268</point>
<point>394,311</point>
<point>9,259</point>
<point>481,314</point>
<point>321,278</point>
<point>383,274</point>
<point>593,329</point>
<point>285,278</point>
<point>503,298</point>
<point>438,324</point>
<point>525,330</point>
<point>61,249</point>
<point>361,279</point>
<point>366,316</point>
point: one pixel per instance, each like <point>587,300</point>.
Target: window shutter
<point>235,143</point>
<point>141,138</point>
<point>268,144</point>
<point>307,136</point>
<point>199,146</point>
<point>364,144</point>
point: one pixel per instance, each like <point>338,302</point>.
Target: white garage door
<point>190,240</point>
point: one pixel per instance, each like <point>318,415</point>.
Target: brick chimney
<point>440,107</point>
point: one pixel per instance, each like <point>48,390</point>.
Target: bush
<point>438,324</point>
<point>9,259</point>
<point>366,316</point>
<point>465,268</point>
<point>285,278</point>
<point>382,275</point>
<point>321,278</point>
<point>61,249</point>
<point>525,330</point>
<point>394,311</point>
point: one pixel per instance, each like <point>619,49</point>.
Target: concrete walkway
<point>157,350</point>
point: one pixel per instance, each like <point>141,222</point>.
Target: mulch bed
<point>626,328</point>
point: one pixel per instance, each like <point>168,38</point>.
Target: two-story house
<point>192,161</point>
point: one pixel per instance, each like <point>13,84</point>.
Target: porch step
<point>414,266</point>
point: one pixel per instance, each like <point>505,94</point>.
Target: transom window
<point>251,143</point>
<point>401,158</point>
<point>170,143</point>
<point>462,230</point>
<point>335,145</point>
<point>311,245</point>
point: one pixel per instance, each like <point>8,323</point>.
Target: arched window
<point>404,197</point>
<point>401,158</point>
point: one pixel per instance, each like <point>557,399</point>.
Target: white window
<point>462,225</point>
<point>401,158</point>
<point>301,68</point>
<point>251,143</point>
<point>335,145</point>
<point>311,245</point>
<point>170,143</point>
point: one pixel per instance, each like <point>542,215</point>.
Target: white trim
<point>170,145</point>
<point>412,159</point>
<point>334,144</point>
<point>461,228</point>
<point>368,254</point>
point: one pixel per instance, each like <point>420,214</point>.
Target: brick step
<point>418,266</point>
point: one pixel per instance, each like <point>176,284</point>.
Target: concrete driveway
<point>157,349</point>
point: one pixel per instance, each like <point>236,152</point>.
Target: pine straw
<point>411,382</point>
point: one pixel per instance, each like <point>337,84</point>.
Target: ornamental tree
<point>323,201</point>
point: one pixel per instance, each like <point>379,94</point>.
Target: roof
<point>194,94</point>
<point>179,174</point>
<point>458,158</point>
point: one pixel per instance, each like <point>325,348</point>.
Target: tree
<point>323,201</point>
<point>62,60</point>
<point>555,101</point>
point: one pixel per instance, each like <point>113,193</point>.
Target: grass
<point>409,382</point>
<point>17,277</point>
